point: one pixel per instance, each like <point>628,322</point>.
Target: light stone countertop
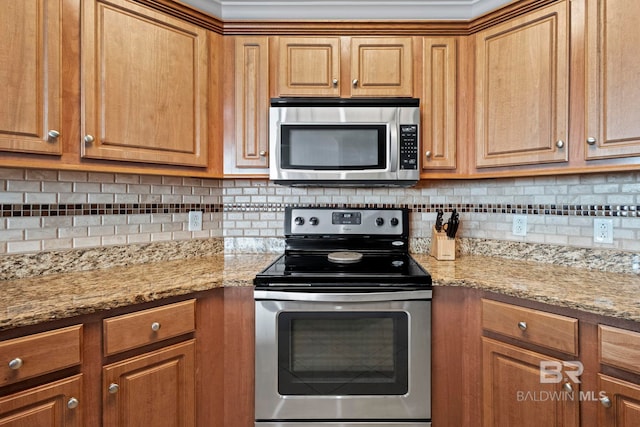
<point>39,299</point>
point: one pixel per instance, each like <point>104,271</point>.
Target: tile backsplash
<point>44,210</point>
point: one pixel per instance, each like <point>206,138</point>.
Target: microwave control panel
<point>408,146</point>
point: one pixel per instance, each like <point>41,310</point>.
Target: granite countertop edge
<point>36,300</point>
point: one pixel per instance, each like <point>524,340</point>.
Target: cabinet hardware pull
<point>15,364</point>
<point>428,154</point>
<point>522,326</point>
<point>73,403</point>
<point>88,139</point>
<point>567,387</point>
<point>560,143</point>
<point>591,140</point>
<point>606,402</point>
<point>263,153</point>
<point>355,82</point>
<point>155,326</point>
<point>113,388</point>
<point>335,82</point>
<point>53,135</point>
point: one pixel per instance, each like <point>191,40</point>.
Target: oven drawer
<point>532,326</point>
<point>40,354</point>
<point>144,327</point>
<point>619,348</point>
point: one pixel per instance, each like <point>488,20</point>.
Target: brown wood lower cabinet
<point>56,404</point>
<point>514,394</point>
<point>153,389</point>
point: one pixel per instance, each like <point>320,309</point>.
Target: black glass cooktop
<point>317,268</point>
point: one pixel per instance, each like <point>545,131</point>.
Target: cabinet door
<point>439,104</point>
<point>514,394</point>
<point>30,74</point>
<point>522,90</point>
<point>381,66</point>
<point>56,404</point>
<point>251,102</point>
<point>308,66</point>
<point>613,88</point>
<point>144,85</point>
<point>620,403</point>
<point>154,389</point>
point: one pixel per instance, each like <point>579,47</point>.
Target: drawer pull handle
<point>606,402</point>
<point>15,364</point>
<point>73,403</point>
<point>522,326</point>
<point>113,388</point>
<point>591,140</point>
<point>155,326</point>
<point>567,387</point>
<point>88,139</point>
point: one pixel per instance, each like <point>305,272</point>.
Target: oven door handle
<point>342,296</point>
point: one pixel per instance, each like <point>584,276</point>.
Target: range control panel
<point>408,146</point>
<point>326,221</point>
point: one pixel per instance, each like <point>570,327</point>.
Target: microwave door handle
<point>393,148</point>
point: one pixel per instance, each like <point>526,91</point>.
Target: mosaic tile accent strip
<point>34,210</point>
<point>562,210</point>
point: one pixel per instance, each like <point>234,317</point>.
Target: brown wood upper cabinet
<point>613,89</point>
<point>315,66</point>
<point>439,99</point>
<point>144,85</point>
<point>30,76</point>
<point>522,92</point>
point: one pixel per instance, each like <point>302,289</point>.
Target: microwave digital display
<point>333,147</point>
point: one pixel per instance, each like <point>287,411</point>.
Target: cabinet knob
<point>522,326</point>
<point>355,82</point>
<point>560,143</point>
<point>567,387</point>
<point>335,82</point>
<point>591,140</point>
<point>15,364</point>
<point>605,401</point>
<point>155,326</point>
<point>263,153</point>
<point>53,135</point>
<point>113,388</point>
<point>88,139</point>
<point>73,403</point>
<point>428,154</point>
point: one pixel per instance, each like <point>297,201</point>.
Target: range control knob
<point>379,222</point>
<point>299,220</point>
<point>394,221</point>
<point>313,220</point>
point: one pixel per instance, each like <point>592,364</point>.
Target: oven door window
<point>350,353</point>
<point>333,147</point>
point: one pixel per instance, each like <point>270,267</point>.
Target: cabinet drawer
<point>533,326</point>
<point>133,330</point>
<point>619,348</point>
<point>39,354</point>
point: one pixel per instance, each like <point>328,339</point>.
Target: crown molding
<point>432,10</point>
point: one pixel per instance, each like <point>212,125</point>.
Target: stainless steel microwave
<point>344,142</point>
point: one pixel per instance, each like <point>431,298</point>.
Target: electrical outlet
<point>195,221</point>
<point>519,225</point>
<point>603,230</point>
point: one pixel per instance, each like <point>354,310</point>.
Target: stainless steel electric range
<point>343,324</point>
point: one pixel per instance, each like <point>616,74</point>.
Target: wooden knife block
<point>442,247</point>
